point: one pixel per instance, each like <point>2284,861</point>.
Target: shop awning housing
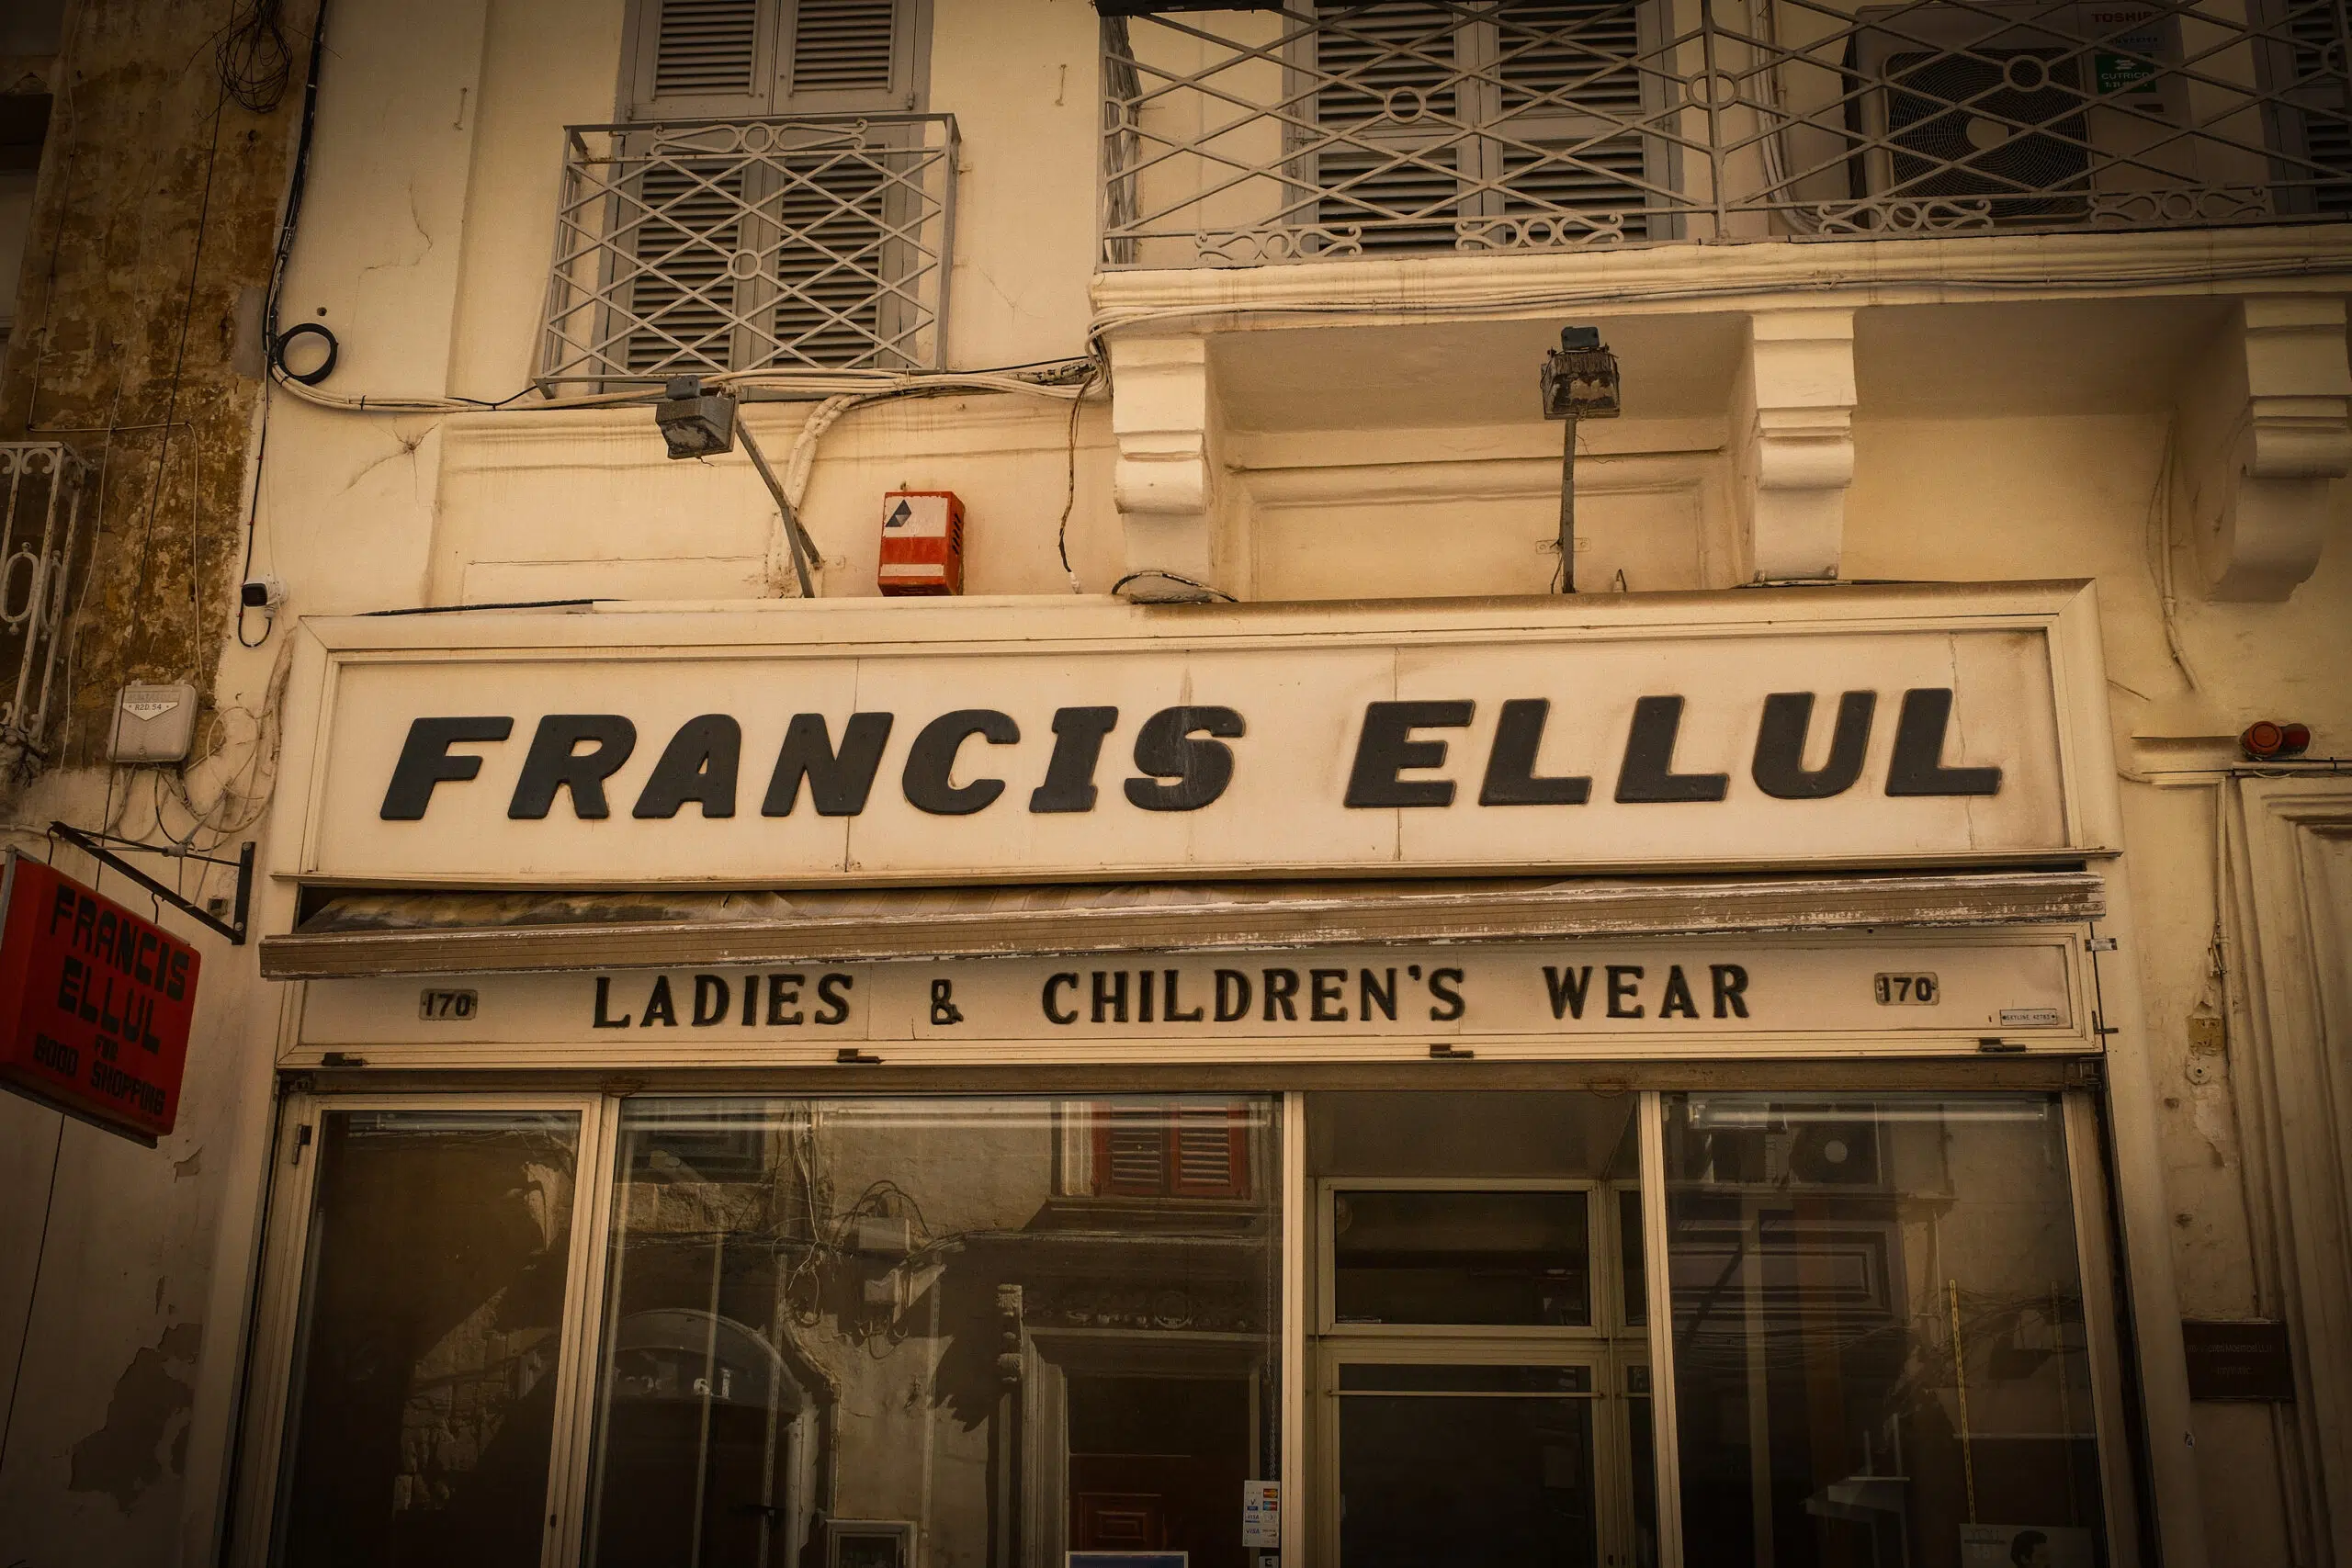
<point>361,933</point>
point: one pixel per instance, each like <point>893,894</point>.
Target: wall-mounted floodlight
<point>1579,381</point>
<point>693,423</point>
<point>697,423</point>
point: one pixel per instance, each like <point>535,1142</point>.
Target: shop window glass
<point>890,1332</point>
<point>1520,1489</point>
<point>423,1390</point>
<point>1490,1258</point>
<point>1878,1328</point>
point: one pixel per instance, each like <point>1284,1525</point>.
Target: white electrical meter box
<point>153,723</point>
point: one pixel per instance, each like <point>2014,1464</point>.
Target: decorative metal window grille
<point>811,243</point>
<point>42,548</point>
<point>1313,130</point>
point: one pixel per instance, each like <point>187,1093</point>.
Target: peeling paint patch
<point>192,1166</point>
<point>127,1455</point>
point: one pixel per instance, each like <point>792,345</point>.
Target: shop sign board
<point>1630,998</point>
<point>1102,744</point>
<point>96,1002</point>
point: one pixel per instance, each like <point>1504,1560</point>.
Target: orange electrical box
<point>922,543</point>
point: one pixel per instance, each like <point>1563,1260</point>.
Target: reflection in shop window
<point>424,1379</point>
<point>1879,1336</point>
<point>875,1333</point>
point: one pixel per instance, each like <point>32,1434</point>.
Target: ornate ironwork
<point>1318,130</point>
<point>41,492</point>
<point>698,247</point>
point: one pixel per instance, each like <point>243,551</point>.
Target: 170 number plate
<point>1907,990</point>
<point>441,1006</point>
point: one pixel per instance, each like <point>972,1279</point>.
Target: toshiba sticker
<point>96,1003</point>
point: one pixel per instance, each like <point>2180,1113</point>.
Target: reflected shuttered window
<point>874,1333</point>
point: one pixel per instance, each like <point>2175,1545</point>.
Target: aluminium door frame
<point>1601,1358</point>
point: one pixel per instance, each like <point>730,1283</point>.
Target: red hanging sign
<point>96,1003</point>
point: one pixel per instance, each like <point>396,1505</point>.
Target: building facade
<point>1369,975</point>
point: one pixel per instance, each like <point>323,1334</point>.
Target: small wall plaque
<point>2235,1359</point>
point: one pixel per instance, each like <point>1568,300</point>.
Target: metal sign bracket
<point>95,845</point>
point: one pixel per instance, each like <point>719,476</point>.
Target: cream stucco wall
<point>1398,455</point>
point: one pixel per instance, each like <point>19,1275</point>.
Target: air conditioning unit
<point>1795,1154</point>
<point>1998,115</point>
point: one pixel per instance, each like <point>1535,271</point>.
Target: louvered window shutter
<point>1389,80</point>
<point>1211,1158</point>
<point>1194,1152</point>
<point>1570,111</point>
<point>698,59</point>
<point>850,57</point>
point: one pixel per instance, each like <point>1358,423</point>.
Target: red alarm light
<point>922,543</point>
<point>2267,739</point>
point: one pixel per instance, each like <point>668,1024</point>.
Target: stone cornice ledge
<point>2297,258</point>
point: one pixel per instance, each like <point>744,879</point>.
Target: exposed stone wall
<point>157,205</point>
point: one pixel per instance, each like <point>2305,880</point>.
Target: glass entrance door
<point>1481,1375</point>
<point>433,1322</point>
<point>1469,1461</point>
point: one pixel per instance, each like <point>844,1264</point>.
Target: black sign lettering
<point>832,993</point>
<point>1110,997</point>
<point>604,1019</point>
<point>1449,1005</point>
<point>712,999</point>
<point>1567,989</point>
<point>1195,772</point>
<point>1232,996</point>
<point>1779,769</point>
<point>1917,765</point>
<point>838,783</point>
<point>1647,772</point>
<point>1323,996</point>
<point>658,1007</point>
<point>1282,992</point>
<point>929,779</point>
<point>1622,990</point>
<point>783,991</point>
<point>1045,998</point>
<point>1678,1002</point>
<point>425,761</point>
<point>1371,993</point>
<point>699,764</point>
<point>1510,766</point>
<point>1070,773</point>
<point>943,1010</point>
<point>1387,748</point>
<point>1173,1015</point>
<point>1731,984</point>
<point>555,762</point>
<point>1145,985</point>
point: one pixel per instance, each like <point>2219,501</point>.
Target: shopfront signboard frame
<point>1102,741</point>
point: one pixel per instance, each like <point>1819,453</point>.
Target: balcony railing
<point>1318,130</point>
<point>818,243</point>
<point>42,548</point>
